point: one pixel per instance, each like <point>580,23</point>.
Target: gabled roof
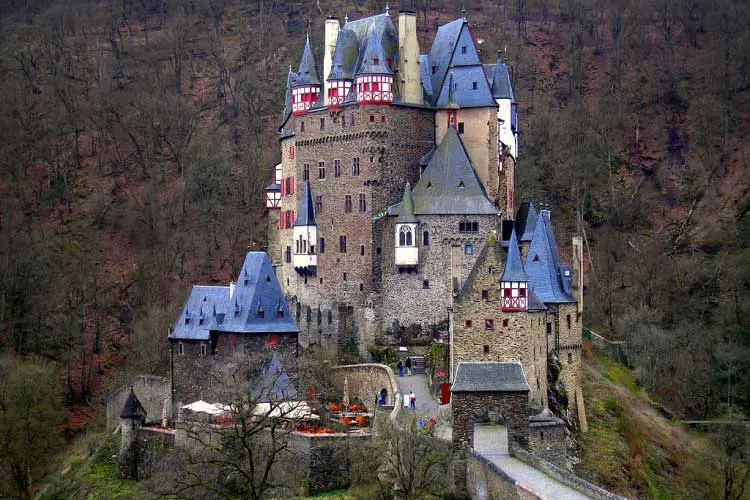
<point>406,212</point>
<point>449,184</point>
<point>306,212</point>
<point>133,407</point>
<point>513,266</point>
<point>308,70</point>
<point>526,220</point>
<point>345,55</point>
<point>442,51</point>
<point>360,43</point>
<point>543,264</point>
<point>373,58</point>
<point>488,376</point>
<point>257,288</point>
<point>464,95</point>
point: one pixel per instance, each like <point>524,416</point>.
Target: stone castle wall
<point>569,343</point>
<point>507,408</point>
<point>406,298</point>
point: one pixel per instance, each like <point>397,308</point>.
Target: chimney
<point>231,290</point>
<point>331,34</point>
<point>408,80</point>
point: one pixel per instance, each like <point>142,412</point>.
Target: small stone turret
<point>305,235</point>
<point>407,252</point>
<point>132,418</point>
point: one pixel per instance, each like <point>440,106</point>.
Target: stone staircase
<point>418,365</point>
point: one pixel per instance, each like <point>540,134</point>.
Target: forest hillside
<point>138,136</point>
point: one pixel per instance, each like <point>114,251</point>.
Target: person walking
<point>408,366</point>
<point>412,400</point>
<point>400,367</point>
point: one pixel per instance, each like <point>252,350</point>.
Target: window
<point>426,284</point>
<point>302,126</point>
<point>306,172</point>
<point>489,324</point>
<point>505,323</point>
<point>322,124</point>
<point>372,118</point>
<point>468,249</point>
<point>486,349</point>
<point>485,295</point>
<point>342,243</point>
<point>549,328</point>
<point>181,349</point>
<point>348,203</point>
<point>377,251</point>
<point>535,259</point>
<point>426,238</point>
<point>568,319</point>
<point>322,247</point>
<point>330,317</point>
<point>291,152</point>
<point>321,281</point>
<point>361,287</point>
<point>362,203</point>
<point>468,323</point>
<point>473,85</point>
<point>468,227</point>
<point>343,122</point>
<point>460,127</point>
<point>273,341</point>
<point>344,276</point>
<point>361,249</point>
<point>203,349</point>
<point>319,204</point>
<point>405,238</point>
<point>375,60</point>
<point>337,168</point>
<point>355,166</point>
<point>353,120</point>
<point>570,357</point>
<point>261,313</point>
<point>434,68</point>
<point>280,313</point>
<point>288,255</point>
<point>463,49</point>
<point>321,170</point>
<point>382,119</point>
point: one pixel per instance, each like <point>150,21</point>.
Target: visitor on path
<point>400,367</point>
<point>412,400</point>
<point>408,366</point>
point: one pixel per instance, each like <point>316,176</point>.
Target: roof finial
<point>387,9</point>
<point>346,18</point>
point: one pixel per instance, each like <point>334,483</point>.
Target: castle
<point>393,206</point>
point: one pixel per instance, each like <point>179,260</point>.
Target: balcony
<point>407,256</point>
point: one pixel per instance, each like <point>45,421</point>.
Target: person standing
<point>408,366</point>
<point>412,400</point>
<point>400,367</point>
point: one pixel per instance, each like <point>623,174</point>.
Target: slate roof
<point>424,72</point>
<point>273,187</point>
<point>406,212</point>
<point>526,220</point>
<point>502,88</point>
<point>543,264</point>
<point>490,377</point>
<point>290,78</point>
<point>308,70</point>
<point>256,288</point>
<point>360,43</point>
<point>306,212</point>
<point>464,94</point>
<point>449,184</point>
<point>513,265</point>
<point>442,51</point>
<point>133,407</point>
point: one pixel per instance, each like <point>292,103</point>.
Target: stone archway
<point>489,429</point>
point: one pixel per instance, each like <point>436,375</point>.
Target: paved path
<point>491,441</point>
<point>418,383</point>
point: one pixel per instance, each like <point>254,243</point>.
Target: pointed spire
<point>452,104</point>
<point>346,18</point>
<point>306,213</point>
<point>133,407</point>
<point>308,71</point>
<point>406,211</point>
<point>387,9</point>
<point>513,265</point>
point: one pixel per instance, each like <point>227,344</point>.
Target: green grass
<point>619,374</point>
<point>354,493</point>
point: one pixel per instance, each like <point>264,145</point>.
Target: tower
<point>306,87</point>
<point>305,235</point>
<point>409,84</point>
<point>132,418</point>
<point>514,283</point>
<point>407,252</point>
<point>375,77</point>
<point>331,34</point>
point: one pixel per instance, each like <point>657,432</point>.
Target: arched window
<point>405,237</point>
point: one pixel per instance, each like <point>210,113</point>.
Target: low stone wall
<point>565,477</point>
<point>322,460</point>
<point>547,440</point>
<point>151,391</point>
<point>484,480</point>
<point>365,381</point>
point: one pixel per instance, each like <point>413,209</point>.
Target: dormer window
<point>261,313</point>
<point>461,184</point>
<point>187,320</point>
<point>200,322</point>
<point>375,60</point>
<point>434,68</point>
<point>280,313</point>
<point>463,49</point>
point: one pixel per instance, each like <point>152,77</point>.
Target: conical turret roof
<point>406,211</point>
<point>306,213</point>
<point>513,264</point>
<point>308,70</point>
